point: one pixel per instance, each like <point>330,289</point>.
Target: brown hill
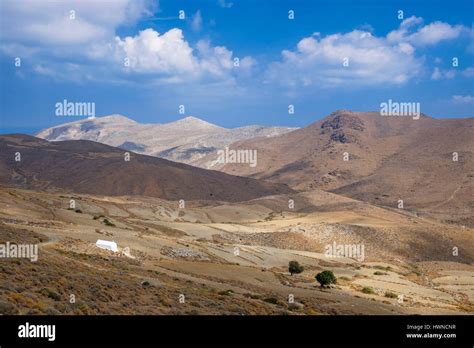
<point>88,167</point>
<point>390,158</point>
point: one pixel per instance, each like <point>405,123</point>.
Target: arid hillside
<point>87,167</point>
<point>428,163</point>
<point>192,252</point>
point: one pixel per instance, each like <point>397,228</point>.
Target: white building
<point>105,244</point>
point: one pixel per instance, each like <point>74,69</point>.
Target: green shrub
<point>51,294</point>
<point>326,278</point>
<point>295,267</point>
<point>108,222</point>
<point>272,300</point>
<point>368,290</point>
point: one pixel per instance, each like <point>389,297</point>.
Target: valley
<point>230,258</point>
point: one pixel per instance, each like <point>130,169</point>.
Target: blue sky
<point>80,56</point>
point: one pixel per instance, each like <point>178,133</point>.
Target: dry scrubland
<point>190,251</point>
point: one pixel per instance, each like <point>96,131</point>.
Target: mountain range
<point>427,163</point>
<point>187,140</point>
<point>84,166</point>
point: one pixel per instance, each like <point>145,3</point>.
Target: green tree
<point>326,278</point>
<point>295,267</point>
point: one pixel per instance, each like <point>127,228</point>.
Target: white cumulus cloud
<point>356,57</point>
<point>59,35</point>
<point>370,60</point>
<point>171,55</point>
<point>151,52</point>
<point>411,31</point>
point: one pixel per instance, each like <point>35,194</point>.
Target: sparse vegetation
<point>383,268</point>
<point>273,300</point>
<point>390,294</point>
<point>270,217</point>
<point>380,273</point>
<point>107,284</point>
<point>107,222</point>
<point>413,268</point>
<point>226,292</point>
<point>51,294</point>
<point>368,290</point>
<point>253,296</point>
